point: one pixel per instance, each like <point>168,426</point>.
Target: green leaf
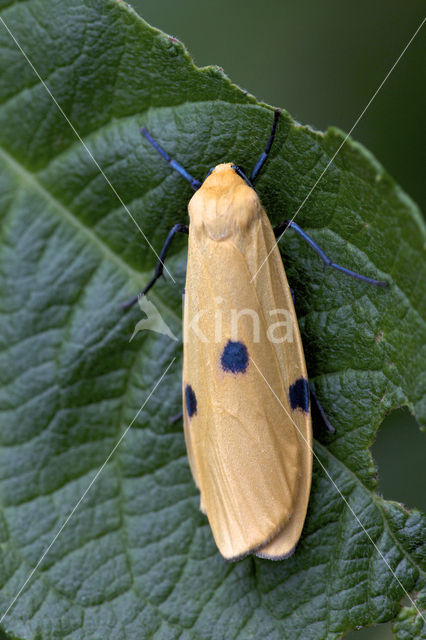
<point>137,559</point>
<point>410,623</point>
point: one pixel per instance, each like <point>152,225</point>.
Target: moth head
<point>223,176</point>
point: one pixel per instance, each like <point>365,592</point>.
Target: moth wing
<point>248,456</point>
<point>190,356</point>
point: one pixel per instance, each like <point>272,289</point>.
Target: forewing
<point>244,444</point>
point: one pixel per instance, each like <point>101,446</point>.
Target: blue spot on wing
<point>299,395</point>
<point>190,400</point>
<point>235,357</point>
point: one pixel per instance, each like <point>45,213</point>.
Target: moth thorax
<point>221,211</point>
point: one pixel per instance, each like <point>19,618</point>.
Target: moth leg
<point>195,184</point>
<point>183,228</point>
<point>327,262</point>
<point>321,410</point>
<point>264,156</point>
<point>176,417</point>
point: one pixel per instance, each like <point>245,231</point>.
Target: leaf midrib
<point>140,277</point>
<point>33,183</point>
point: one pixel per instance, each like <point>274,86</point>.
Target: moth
<point>246,396</point>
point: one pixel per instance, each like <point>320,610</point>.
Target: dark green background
<point>323,61</point>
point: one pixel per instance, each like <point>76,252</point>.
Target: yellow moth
<point>252,463</point>
<point>246,399</point>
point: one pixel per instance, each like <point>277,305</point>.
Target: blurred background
<point>322,61</point>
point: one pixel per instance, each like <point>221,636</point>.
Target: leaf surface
<point>137,559</point>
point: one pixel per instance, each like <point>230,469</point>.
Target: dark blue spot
<point>235,357</point>
<point>190,400</point>
<point>299,395</point>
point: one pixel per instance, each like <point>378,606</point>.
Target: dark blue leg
<point>195,184</point>
<point>160,264</point>
<point>279,230</point>
<point>176,418</point>
<point>321,410</point>
<point>263,157</point>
